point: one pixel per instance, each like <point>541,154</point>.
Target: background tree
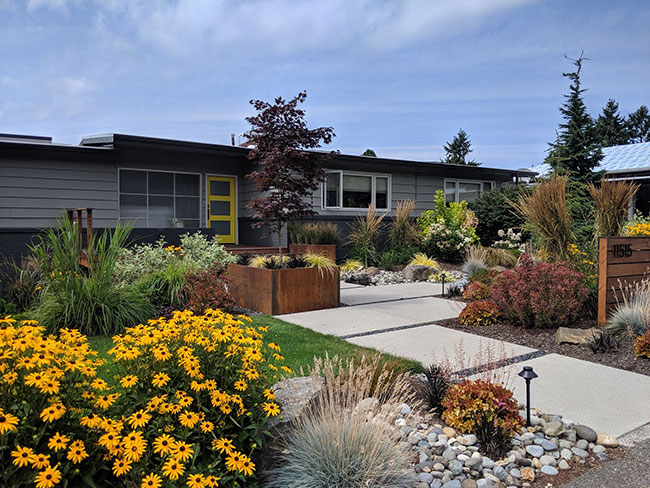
<point>611,127</point>
<point>576,150</point>
<point>369,152</point>
<point>638,123</point>
<point>286,171</point>
<point>458,149</point>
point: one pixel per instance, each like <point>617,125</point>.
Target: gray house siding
<point>33,193</point>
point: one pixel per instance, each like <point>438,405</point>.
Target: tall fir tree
<point>638,123</point>
<point>611,127</point>
<point>458,149</point>
<point>370,153</point>
<point>576,150</point>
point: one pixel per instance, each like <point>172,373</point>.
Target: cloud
<point>72,96</point>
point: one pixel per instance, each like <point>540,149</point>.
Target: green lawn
<point>299,345</point>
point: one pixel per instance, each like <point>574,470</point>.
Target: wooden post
<point>622,262</point>
<point>89,229</point>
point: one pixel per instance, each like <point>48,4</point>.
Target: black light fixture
<point>528,374</point>
<point>442,275</point>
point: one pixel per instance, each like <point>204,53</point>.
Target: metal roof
<point>627,158</point>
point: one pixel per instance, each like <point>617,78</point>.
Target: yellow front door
<point>222,207</point>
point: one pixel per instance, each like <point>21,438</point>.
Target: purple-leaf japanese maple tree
<point>287,173</point>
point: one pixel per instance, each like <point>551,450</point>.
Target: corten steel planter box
<point>328,250</point>
<point>280,291</point>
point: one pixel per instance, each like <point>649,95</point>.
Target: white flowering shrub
<point>510,240</point>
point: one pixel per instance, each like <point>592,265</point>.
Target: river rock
<point>563,464</point>
<point>528,474</point>
<point>452,484</point>
<point>549,470</point>
<point>554,429</point>
<point>468,440</point>
<point>607,440</point>
<point>547,460</point>
<point>449,432</point>
<point>535,451</point>
<point>581,453</point>
<point>585,433</point>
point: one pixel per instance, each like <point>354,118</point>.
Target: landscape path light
<point>528,374</point>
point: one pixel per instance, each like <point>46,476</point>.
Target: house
<point>169,186</point>
<point>630,162</point>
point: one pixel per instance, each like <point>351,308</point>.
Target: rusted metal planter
<point>328,250</point>
<point>280,291</point>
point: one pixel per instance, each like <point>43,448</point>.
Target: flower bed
<point>185,403</point>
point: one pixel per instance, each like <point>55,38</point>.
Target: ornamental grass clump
<point>547,216</point>
<point>333,443</point>
<point>363,237</point>
<point>612,200</point>
<point>403,231</point>
<point>313,233</point>
<point>632,313</point>
<point>540,295</point>
<point>186,404</point>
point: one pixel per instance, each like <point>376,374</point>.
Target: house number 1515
<point>622,250</point>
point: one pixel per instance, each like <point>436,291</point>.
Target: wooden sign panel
<point>622,261</point>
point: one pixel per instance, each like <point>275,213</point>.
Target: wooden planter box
<point>328,250</point>
<point>280,291</point>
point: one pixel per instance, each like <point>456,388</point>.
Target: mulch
<point>544,339</point>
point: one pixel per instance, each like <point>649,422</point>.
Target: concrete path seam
<point>391,300</point>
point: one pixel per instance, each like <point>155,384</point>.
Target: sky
<point>398,76</point>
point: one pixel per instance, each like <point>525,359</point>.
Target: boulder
<point>293,395</point>
<point>565,335</point>
<point>417,272</point>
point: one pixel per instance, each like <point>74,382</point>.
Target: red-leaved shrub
<point>476,290</point>
<point>480,312</point>
<point>207,288</point>
<point>540,295</point>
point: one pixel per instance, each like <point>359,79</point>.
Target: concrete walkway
<point>401,320</point>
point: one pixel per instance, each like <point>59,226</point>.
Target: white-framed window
<point>467,190</point>
<point>160,199</point>
<point>347,190</point>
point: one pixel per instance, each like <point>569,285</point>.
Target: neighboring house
<point>169,186</point>
<point>630,162</point>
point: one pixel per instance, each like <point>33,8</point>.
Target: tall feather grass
<point>612,200</point>
<point>333,444</point>
<point>547,216</point>
<point>363,236</point>
<point>313,233</point>
<point>403,231</point>
<point>491,256</point>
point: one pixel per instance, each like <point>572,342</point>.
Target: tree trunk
<point>279,230</point>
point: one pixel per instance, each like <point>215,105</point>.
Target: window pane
<point>469,191</point>
<point>133,206</point>
<point>332,190</point>
<point>190,223</point>
<point>381,197</point>
<point>187,208</point>
<point>357,191</point>
<point>220,188</point>
<point>133,181</point>
<point>219,208</point>
<point>161,211</point>
<point>187,185</point>
<point>161,183</point>
<point>222,227</point>
<point>450,192</point>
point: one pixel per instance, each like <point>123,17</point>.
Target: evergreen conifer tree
<point>576,150</point>
<point>458,149</point>
<point>638,123</point>
<point>611,127</point>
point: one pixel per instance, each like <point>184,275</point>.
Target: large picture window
<point>160,199</point>
<point>469,191</point>
<point>349,191</point>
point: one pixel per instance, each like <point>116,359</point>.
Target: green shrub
<point>195,252</point>
<point>313,233</point>
<point>494,212</point>
<point>395,257</point>
<point>165,287</point>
